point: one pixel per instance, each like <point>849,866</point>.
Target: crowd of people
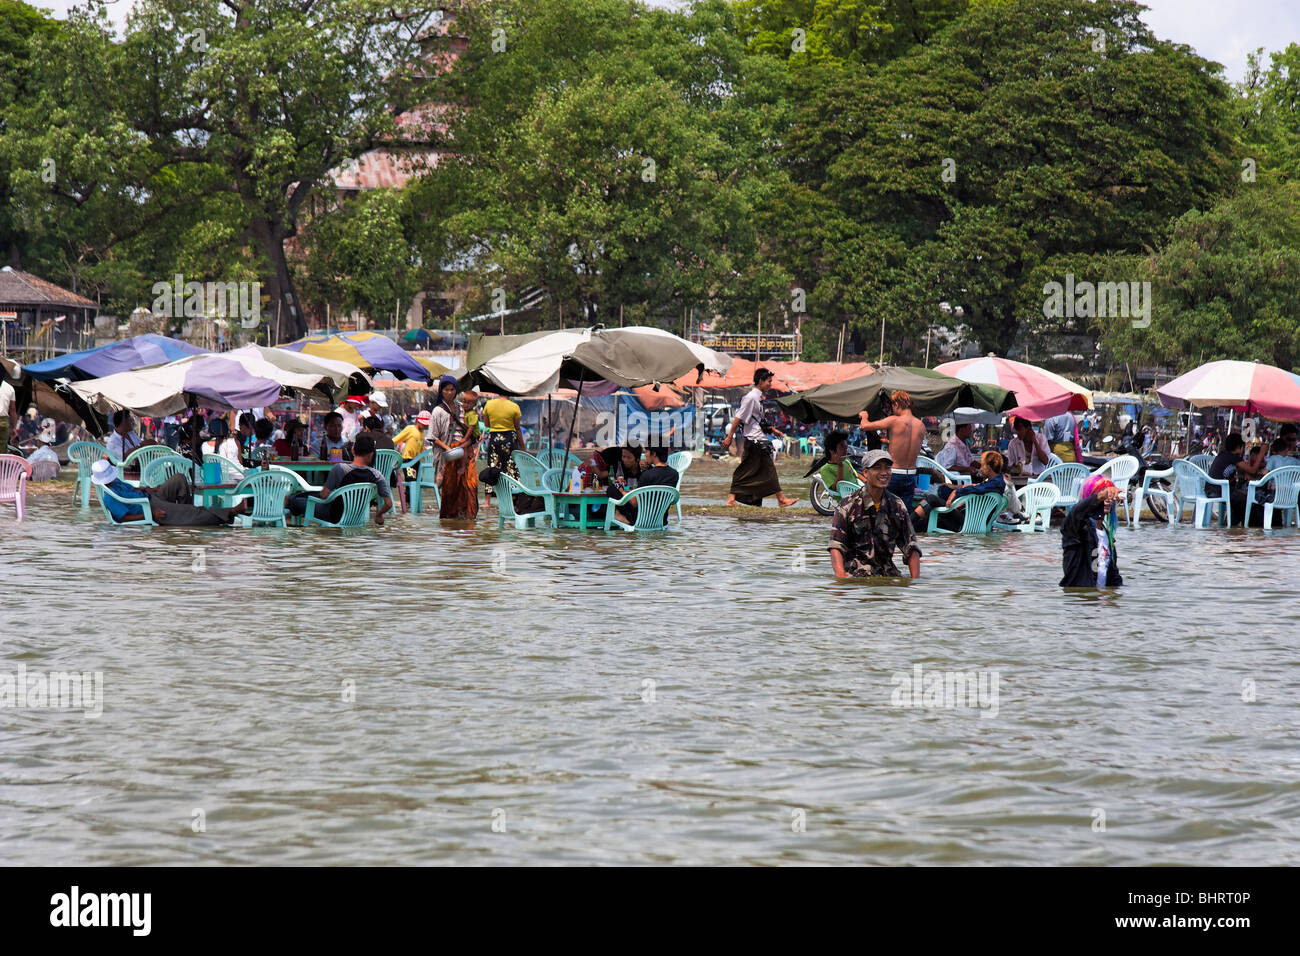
<point>872,524</point>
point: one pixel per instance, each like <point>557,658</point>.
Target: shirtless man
<point>906,433</point>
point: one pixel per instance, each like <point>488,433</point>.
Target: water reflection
<point>506,670</point>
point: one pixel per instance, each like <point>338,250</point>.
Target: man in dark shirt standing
<point>870,523</point>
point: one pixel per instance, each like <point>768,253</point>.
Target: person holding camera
<point>755,477</point>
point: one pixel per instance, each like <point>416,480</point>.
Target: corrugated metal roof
<point>23,288</point>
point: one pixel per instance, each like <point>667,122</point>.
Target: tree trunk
<point>279,283</point>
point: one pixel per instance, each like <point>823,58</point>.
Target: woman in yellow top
<point>504,434</point>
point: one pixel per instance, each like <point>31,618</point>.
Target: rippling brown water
<point>708,695</point>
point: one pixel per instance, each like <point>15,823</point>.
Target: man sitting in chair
<point>171,503</point>
<point>658,473</point>
<point>357,472</point>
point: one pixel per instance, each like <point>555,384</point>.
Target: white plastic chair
<point>1121,470</point>
<point>1068,479</point>
<point>949,477</point>
<point>1286,496</point>
<point>1037,501</point>
<point>1190,484</point>
<point>679,461</point>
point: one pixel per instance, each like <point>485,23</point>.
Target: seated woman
<point>991,466</point>
<point>294,440</point>
<point>619,467</point>
<point>222,442</point>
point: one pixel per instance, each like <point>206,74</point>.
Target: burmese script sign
<point>743,343</point>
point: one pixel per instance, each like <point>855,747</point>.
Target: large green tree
<point>1021,133</point>
<point>1224,284</point>
<point>222,117</point>
<point>608,153</point>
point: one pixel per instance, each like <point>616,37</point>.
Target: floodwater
<point>429,694</point>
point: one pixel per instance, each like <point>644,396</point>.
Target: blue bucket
<point>922,482</point>
<point>212,472</point>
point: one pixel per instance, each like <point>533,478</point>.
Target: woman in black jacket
<point>1087,543</point>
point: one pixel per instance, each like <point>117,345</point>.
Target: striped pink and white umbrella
<point>1041,393</point>
<point>1251,387</point>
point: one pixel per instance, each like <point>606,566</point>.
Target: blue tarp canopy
<point>108,359</point>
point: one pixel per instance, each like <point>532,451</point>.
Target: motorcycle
<point>1131,444</point>
<point>825,500</point>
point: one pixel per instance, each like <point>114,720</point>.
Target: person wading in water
<point>906,433</point>
<point>755,477</point>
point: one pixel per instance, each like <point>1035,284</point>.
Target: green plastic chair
<point>141,457</point>
<point>356,499</point>
<point>162,468</point>
<point>530,469</point>
<point>652,504</point>
<point>147,521</point>
<point>1068,478</point>
<point>845,488</point>
<point>386,463</point>
<point>553,479</point>
<point>552,458</point>
<point>980,511</point>
<point>505,488</point>
<point>230,470</point>
<point>679,461</point>
<point>85,454</point>
<point>424,481</point>
<point>268,489</point>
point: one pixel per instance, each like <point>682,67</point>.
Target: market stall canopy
<point>1251,387</point>
<point>210,381</point>
<point>789,376</point>
<point>52,399</point>
<point>135,352</point>
<point>298,374</point>
<point>1041,393</point>
<point>365,350</point>
<point>483,347</point>
<point>933,393</point>
<point>627,357</point>
<point>739,375</point>
<point>434,369</point>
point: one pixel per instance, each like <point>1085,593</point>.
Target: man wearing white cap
<point>169,502</point>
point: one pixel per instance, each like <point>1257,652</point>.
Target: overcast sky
<point>1220,30</point>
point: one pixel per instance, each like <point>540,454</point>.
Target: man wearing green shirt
<point>838,468</point>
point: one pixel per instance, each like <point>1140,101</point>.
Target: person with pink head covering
<point>1088,554</point>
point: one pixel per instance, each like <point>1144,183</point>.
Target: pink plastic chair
<point>14,472</point>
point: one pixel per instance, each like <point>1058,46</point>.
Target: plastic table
<point>564,500</point>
